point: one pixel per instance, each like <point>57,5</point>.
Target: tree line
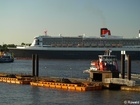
<point>4,47</point>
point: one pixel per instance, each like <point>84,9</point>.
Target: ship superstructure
<point>105,40</point>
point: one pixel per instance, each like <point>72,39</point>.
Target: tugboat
<point>106,62</point>
<point>6,57</point>
<point>105,67</point>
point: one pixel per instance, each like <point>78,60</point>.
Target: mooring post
<point>122,66</point>
<point>33,65</point>
<point>37,65</point>
<point>129,68</point>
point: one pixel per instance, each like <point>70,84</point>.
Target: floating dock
<point>15,78</point>
<point>64,83</point>
<point>68,86</point>
<point>51,82</point>
<point>130,88</point>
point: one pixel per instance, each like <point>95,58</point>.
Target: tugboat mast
<point>108,52</point>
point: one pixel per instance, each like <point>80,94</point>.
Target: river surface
<point>13,94</point>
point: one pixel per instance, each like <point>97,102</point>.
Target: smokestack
<point>109,33</point>
<point>105,31</point>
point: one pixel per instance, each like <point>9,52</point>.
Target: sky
<point>22,20</point>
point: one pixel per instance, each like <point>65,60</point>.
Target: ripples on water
<point>12,94</point>
<point>61,68</point>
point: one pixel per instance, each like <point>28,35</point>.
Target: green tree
<point>23,44</point>
<point>11,45</point>
<point>4,47</point>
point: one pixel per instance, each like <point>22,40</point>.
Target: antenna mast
<point>45,33</point>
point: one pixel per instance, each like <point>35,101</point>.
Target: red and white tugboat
<point>106,62</point>
<point>105,67</point>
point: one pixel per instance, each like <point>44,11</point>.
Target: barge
<point>68,86</point>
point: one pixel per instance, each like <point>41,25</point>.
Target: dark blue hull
<point>55,54</point>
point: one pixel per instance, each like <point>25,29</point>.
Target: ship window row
<point>64,42</point>
<point>88,41</point>
<point>79,42</point>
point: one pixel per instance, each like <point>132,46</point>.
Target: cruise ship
<point>80,47</point>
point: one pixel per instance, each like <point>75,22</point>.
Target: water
<point>13,94</point>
